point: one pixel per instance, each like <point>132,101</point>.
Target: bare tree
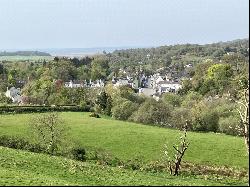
<point>175,164</point>
<point>243,110</point>
<point>49,130</point>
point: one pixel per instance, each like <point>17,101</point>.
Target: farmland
<point>25,168</point>
<point>25,58</point>
<point>124,140</point>
<point>127,140</point>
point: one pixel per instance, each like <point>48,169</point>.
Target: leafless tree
<point>175,164</point>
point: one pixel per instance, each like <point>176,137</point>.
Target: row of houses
<point>152,86</point>
<point>81,84</point>
<point>155,85</point>
<point>148,85</point>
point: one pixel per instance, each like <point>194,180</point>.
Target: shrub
<point>4,99</point>
<point>133,164</point>
<point>207,121</point>
<point>124,110</point>
<point>76,153</point>
<point>95,115</point>
<point>179,117</point>
<point>205,117</point>
<point>229,125</point>
<point>79,153</point>
<point>156,166</point>
<point>172,99</point>
<point>18,143</point>
<point>191,99</point>
<point>103,158</point>
<point>39,108</point>
<point>153,112</point>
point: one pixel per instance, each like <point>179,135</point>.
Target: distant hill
<point>24,53</point>
<point>181,54</point>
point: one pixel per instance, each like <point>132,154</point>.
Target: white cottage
<point>14,94</point>
<point>167,86</point>
<point>72,84</point>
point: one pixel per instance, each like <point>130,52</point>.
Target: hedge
<point>34,109</point>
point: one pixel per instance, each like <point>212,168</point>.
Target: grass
<point>25,168</point>
<point>127,140</point>
<point>24,58</point>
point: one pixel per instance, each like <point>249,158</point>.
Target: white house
<point>167,86</point>
<point>97,83</point>
<point>14,94</point>
<point>71,84</point>
<point>188,65</point>
<point>147,91</point>
<point>122,82</point>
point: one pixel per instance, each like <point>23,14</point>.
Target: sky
<point>30,24</point>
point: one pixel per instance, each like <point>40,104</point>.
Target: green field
<point>126,141</point>
<point>24,58</point>
<point>25,168</point>
<point>129,140</point>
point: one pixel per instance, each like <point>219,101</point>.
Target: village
<point>151,86</point>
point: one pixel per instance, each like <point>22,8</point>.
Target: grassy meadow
<point>125,140</point>
<point>25,168</point>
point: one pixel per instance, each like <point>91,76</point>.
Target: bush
<point>172,99</point>
<point>4,99</point>
<point>124,110</point>
<point>207,121</point>
<point>103,158</point>
<point>35,109</point>
<point>95,115</point>
<point>191,99</point>
<point>76,153</point>
<point>230,125</point>
<point>205,116</point>
<point>153,112</point>
<point>79,154</point>
<point>179,117</point>
<point>18,143</point>
<point>156,166</point>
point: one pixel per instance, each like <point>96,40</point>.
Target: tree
<point>99,68</point>
<point>1,68</point>
<point>11,77</point>
<point>49,130</point>
<point>186,86</point>
<point>174,164</point>
<point>173,99</point>
<point>153,112</point>
<point>4,99</point>
<point>103,103</point>
<point>204,116</point>
<point>124,110</point>
<point>219,75</point>
<point>56,59</point>
<point>47,88</point>
<point>200,72</point>
<point>63,70</point>
<point>191,99</point>
<point>243,110</point>
<point>179,117</point>
<point>241,98</point>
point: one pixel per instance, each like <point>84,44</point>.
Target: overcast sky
<point>103,23</point>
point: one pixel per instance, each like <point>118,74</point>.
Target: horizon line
<point>112,47</point>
